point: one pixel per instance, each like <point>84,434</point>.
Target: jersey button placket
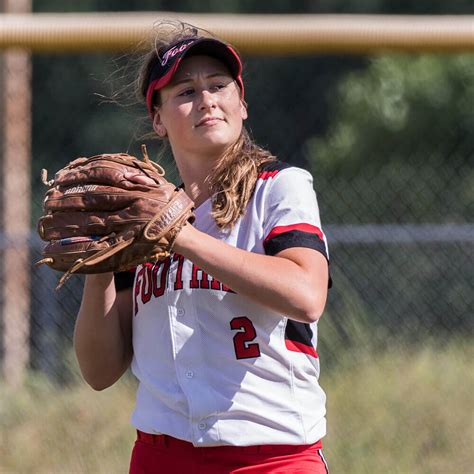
<point>200,400</point>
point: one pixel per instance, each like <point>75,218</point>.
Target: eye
<point>186,92</point>
<point>218,86</point>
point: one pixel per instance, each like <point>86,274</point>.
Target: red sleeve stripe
<point>281,229</point>
<point>295,346</point>
<point>268,174</point>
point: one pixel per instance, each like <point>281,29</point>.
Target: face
<point>201,110</point>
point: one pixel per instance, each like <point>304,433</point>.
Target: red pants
<point>161,454</point>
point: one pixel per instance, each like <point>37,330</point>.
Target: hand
<point>104,238</point>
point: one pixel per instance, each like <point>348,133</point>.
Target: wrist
<point>184,239</point>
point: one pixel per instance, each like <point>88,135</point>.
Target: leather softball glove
<point>110,212</point>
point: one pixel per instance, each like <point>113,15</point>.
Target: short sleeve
<point>124,280</point>
<point>292,214</point>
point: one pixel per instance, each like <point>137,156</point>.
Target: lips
<point>208,121</point>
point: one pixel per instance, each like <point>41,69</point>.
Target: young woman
<point>221,335</point>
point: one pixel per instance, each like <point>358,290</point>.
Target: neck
<point>194,172</point>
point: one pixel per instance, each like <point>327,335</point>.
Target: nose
<point>207,100</point>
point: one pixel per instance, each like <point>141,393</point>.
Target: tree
<point>399,150</point>
<point>404,125</point>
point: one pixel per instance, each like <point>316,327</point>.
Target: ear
<point>243,109</point>
<point>158,125</point>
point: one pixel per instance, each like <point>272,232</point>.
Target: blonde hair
<point>232,180</point>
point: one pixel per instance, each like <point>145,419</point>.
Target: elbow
<point>103,375</point>
<point>313,317</point>
<point>312,310</point>
<point>98,380</point>
<point>98,384</point>
<point>98,387</point>
<point>309,301</point>
<point>310,316</point>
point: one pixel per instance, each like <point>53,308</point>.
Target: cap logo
<point>172,52</point>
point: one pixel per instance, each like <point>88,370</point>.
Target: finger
<point>139,179</point>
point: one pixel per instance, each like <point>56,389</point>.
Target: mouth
<point>209,121</point>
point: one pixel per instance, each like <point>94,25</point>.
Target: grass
<point>45,429</point>
<point>398,411</point>
<point>407,412</point>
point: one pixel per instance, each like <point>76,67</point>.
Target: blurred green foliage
<point>403,122</point>
<point>383,110</point>
<point>327,113</point>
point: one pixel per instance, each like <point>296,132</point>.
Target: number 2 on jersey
<point>244,348</point>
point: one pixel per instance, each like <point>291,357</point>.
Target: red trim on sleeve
<point>268,174</point>
<point>281,229</point>
<point>299,347</point>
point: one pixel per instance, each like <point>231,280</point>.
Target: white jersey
<point>215,368</point>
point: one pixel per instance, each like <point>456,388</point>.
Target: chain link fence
<point>396,197</point>
<point>399,220</point>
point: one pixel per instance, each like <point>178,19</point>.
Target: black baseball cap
<point>165,66</point>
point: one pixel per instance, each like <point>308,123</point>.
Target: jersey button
<point>189,374</point>
<point>202,426</point>
<point>180,312</point>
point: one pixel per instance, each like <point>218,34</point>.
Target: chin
<point>217,143</point>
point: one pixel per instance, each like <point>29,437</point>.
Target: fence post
<point>15,171</point>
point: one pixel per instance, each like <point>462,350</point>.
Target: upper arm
<point>292,230</point>
<point>292,225</point>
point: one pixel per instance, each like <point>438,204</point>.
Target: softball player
<point>222,334</point>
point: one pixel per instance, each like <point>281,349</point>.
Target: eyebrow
<point>189,79</point>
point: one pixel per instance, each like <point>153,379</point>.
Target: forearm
<point>101,347</point>
<point>278,283</point>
